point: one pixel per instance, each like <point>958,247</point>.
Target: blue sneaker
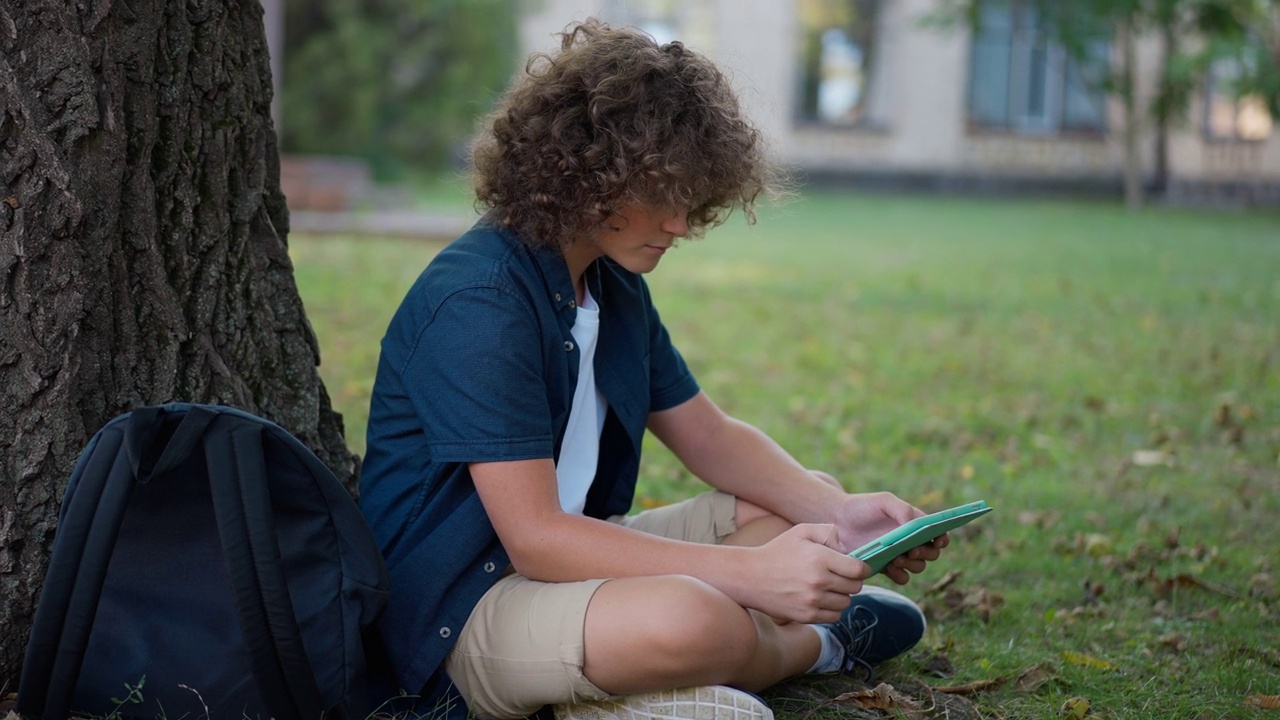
<point>879,624</point>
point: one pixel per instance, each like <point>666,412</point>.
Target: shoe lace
<point>854,633</point>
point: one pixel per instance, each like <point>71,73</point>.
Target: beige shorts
<point>522,647</point>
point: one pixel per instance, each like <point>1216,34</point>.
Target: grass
<point>1109,381</point>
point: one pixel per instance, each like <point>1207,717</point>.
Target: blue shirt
<point>479,365</point>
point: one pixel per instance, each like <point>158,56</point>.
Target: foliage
<point>397,82</point>
<point>132,697</point>
<point>1106,380</point>
<point>1228,28</point>
<point>1193,33</point>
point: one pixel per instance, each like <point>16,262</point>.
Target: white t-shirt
<point>580,449</point>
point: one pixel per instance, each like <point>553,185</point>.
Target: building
<point>863,91</point>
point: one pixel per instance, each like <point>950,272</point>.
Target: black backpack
<point>206,564</point>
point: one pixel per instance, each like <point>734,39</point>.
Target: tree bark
<point>1132,154</point>
<point>1165,114</point>
<point>142,249</point>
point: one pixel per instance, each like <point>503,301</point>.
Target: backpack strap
<point>69,600</point>
<point>120,453</point>
<point>242,504</point>
<point>146,425</point>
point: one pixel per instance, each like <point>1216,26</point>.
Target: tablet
<point>897,541</point>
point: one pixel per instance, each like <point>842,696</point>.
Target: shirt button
<point>557,297</point>
<point>445,632</point>
<point>572,304</point>
<point>568,346</point>
<point>490,567</point>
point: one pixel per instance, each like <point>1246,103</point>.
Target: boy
<point>515,384</point>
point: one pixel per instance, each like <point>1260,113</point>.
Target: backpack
<point>206,565</point>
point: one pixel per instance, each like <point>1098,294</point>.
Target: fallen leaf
<point>1035,676</point>
<point>1266,702</point>
<point>1163,586</point>
<point>1093,591</point>
<point>1083,660</point>
<point>929,499</point>
<point>1189,580</point>
<point>1209,614</point>
<point>12,201</point>
<point>1151,458</point>
<point>950,577</point>
<point>1222,418</point>
<point>1173,641</point>
<point>881,697</point>
<point>954,600</point>
<point>1039,518</point>
<point>1097,545</point>
<point>1075,708</point>
<point>1262,585</point>
<point>970,688</point>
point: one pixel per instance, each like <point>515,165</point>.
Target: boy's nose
<point>678,223</point>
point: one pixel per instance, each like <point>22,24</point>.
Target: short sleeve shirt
<point>479,365</point>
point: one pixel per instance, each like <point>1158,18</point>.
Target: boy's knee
<point>704,626</point>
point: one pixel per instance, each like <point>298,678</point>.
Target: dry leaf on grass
<point>970,688</point>
<point>880,697</point>
<point>944,582</point>
<point>1089,661</point>
<point>1152,458</point>
<point>1075,708</point>
<point>1035,676</point>
<point>1262,586</point>
<point>1163,586</point>
<point>1173,641</point>
<point>1266,702</point>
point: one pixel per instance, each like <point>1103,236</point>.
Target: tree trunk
<point>142,248</point>
<point>1167,107</point>
<point>1129,90</point>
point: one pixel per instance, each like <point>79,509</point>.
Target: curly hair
<point>610,120</point>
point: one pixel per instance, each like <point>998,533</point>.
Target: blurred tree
<point>142,249</point>
<point>1247,31</point>
<point>397,82</point>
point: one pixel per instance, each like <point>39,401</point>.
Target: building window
<point>657,18</point>
<point>1022,79</point>
<point>838,63</point>
<point>1228,114</point>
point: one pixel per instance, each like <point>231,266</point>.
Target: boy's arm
<point>798,576</point>
<point>739,459</point>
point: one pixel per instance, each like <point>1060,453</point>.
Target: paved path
<point>400,223</point>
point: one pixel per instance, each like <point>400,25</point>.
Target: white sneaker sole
<point>710,702</point>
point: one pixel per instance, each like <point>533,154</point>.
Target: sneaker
<point>709,702</point>
<point>879,624</point>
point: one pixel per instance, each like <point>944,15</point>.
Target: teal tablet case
<point>879,552</point>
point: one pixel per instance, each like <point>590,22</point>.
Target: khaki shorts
<point>522,647</point>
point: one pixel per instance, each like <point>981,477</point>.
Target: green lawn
<point>1108,381</point>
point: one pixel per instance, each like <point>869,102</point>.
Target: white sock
<point>832,654</point>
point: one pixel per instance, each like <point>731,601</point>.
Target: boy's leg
<point>529,643</point>
<point>653,633</point>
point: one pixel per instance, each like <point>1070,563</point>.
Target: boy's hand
<point>861,518</point>
<point>803,575</point>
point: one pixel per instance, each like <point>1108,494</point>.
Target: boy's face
<point>638,235</point>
